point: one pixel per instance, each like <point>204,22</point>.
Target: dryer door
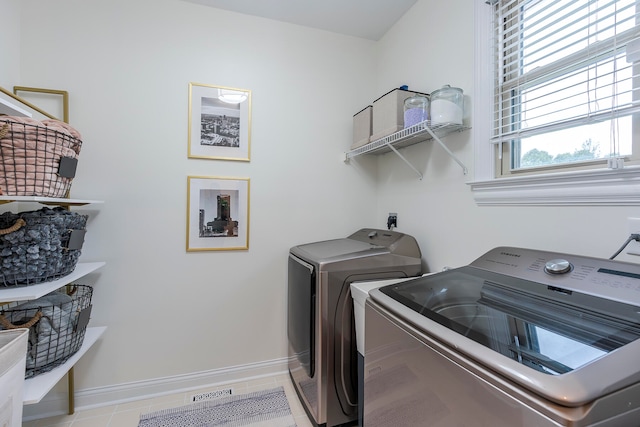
<point>301,312</point>
<point>345,370</point>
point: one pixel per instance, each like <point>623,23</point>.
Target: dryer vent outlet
<point>392,220</point>
<point>211,395</point>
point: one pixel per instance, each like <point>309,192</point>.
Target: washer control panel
<point>606,278</point>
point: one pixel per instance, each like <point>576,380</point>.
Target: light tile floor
<point>128,414</point>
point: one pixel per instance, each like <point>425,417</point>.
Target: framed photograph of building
<point>217,213</point>
<point>219,122</point>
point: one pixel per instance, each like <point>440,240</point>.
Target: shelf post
<point>71,389</point>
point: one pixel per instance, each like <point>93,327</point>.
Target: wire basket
<point>57,323</point>
<point>37,158</point>
<point>39,246</point>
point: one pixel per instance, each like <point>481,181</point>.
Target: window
<point>559,123</point>
<point>564,90</point>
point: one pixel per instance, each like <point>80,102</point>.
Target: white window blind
<point>563,64</point>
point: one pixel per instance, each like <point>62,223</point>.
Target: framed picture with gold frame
<point>219,122</point>
<point>217,213</point>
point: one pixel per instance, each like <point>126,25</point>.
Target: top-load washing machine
<point>519,337</point>
<point>320,322</point>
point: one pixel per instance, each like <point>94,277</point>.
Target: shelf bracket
<point>449,152</point>
<point>405,160</point>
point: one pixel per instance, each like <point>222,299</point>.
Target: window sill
<point>600,187</point>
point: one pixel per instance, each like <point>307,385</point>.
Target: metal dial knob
<point>557,266</point>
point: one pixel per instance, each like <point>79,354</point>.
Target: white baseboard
<point>57,403</point>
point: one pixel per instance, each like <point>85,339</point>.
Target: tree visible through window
<point>536,157</point>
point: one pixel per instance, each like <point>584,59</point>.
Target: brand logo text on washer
<point>510,254</point>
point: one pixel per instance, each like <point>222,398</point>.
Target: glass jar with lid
<point>416,110</point>
<point>447,106</point>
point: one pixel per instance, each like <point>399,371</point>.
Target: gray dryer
<point>320,323</point>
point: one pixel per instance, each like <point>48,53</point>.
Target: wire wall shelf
<point>417,133</point>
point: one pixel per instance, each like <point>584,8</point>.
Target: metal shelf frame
<point>420,132</point>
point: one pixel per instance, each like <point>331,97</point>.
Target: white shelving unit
<point>37,387</point>
<point>57,201</point>
<point>11,109</point>
<point>412,135</point>
<point>24,293</point>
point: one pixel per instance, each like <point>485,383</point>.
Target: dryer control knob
<point>557,266</point>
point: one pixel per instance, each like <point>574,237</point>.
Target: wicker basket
<point>37,158</point>
<point>57,324</point>
<point>39,246</point>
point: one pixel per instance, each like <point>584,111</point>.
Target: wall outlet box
<point>633,248</point>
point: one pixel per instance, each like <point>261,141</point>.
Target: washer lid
<point>363,243</point>
<point>568,346</point>
<point>337,249</point>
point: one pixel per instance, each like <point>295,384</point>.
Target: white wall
<point>430,46</point>
<point>127,65</point>
<point>10,43</point>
